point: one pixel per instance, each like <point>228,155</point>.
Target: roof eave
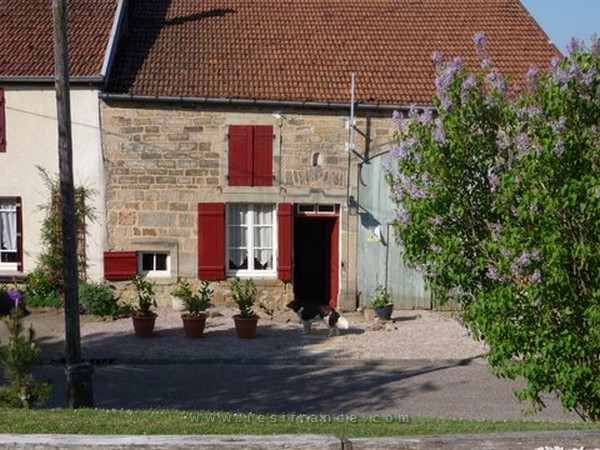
<point>26,79</point>
<point>255,102</point>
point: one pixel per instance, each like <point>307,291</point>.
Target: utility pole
<point>79,374</point>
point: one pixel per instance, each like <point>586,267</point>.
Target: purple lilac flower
<point>535,254</point>
<point>524,260</point>
<point>574,46</point>
<point>558,126</point>
<point>523,144</point>
<point>486,64</point>
<point>516,270</point>
<point>444,80</point>
<point>492,273</point>
<point>403,215</point>
<point>533,77</point>
<point>504,252</point>
<point>426,116</point>
<point>535,277</point>
<point>588,77</point>
<point>400,151</point>
<point>435,249</point>
<point>480,42</point>
<point>493,180</point>
<point>595,47</point>
<point>437,220</point>
<point>560,76</point>
<point>559,147</point>
<point>467,85</point>
<point>503,142</point>
<point>496,81</point>
<point>497,227</point>
<point>437,59</point>
<point>397,119</point>
<point>534,207</point>
<point>438,133</point>
<point>413,112</point>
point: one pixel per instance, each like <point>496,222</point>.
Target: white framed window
<point>9,234</point>
<point>251,239</point>
<point>154,264</point>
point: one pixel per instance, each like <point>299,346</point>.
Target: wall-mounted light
<point>352,205</point>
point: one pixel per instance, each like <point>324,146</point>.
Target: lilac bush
<point>498,204</point>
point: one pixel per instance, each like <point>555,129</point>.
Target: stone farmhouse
<point>246,138</point>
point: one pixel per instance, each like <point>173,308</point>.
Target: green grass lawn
<point>141,422</point>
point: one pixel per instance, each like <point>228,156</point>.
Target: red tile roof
<point>27,40</point>
<point>305,50</point>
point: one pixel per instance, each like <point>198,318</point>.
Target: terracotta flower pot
<point>245,328</point>
<point>143,325</point>
<point>193,325</point>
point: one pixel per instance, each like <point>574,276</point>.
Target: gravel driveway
<point>421,334</point>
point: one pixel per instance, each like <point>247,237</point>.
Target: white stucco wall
<point>31,141</point>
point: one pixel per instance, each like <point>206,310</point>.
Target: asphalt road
<point>454,389</point>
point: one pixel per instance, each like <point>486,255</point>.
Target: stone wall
<point>162,160</point>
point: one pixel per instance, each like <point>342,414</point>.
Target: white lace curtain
<point>8,225</point>
<point>259,220</point>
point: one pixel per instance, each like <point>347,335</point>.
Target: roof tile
<point>27,37</point>
<point>305,50</point>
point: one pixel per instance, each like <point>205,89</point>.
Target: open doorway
<point>316,259</point>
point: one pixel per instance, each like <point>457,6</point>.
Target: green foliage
<point>498,205</point>
<point>51,258</point>
<point>43,288</point>
<point>244,293</point>
<point>17,358</point>
<point>381,298</point>
<point>145,295</point>
<point>98,299</point>
<point>195,302</point>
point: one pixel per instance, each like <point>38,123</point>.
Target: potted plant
<point>195,304</point>
<point>244,294</point>
<point>382,303</point>
<point>143,317</point>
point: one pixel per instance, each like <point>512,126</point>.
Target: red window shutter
<point>211,241</point>
<point>2,122</point>
<point>285,224</point>
<point>240,155</point>
<point>120,266</point>
<point>263,155</point>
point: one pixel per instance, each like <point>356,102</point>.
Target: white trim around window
<point>154,264</point>
<point>251,240</point>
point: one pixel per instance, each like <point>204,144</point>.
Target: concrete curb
<point>546,440</point>
<point>567,440</point>
<point>165,442</point>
